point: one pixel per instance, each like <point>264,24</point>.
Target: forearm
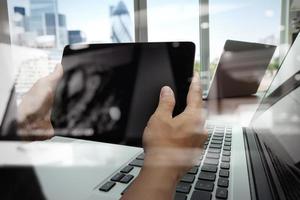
<point>153,183</point>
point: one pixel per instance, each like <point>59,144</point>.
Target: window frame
<point>141,32</point>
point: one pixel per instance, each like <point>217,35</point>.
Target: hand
<point>172,145</point>
<point>35,108</point>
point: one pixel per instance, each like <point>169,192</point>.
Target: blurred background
<point>41,28</point>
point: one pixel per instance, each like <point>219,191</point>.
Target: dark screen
<point>109,91</point>
<point>240,69</point>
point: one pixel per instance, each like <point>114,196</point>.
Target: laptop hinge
<point>258,180</point>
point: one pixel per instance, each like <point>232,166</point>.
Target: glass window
<point>250,21</point>
<point>46,26</point>
<point>174,20</point>
<point>41,28</point>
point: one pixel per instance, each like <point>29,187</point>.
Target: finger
<point>194,97</point>
<point>166,102</point>
<point>55,76</point>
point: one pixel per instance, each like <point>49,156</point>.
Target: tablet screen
<point>109,91</point>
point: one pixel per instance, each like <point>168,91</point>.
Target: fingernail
<point>165,91</point>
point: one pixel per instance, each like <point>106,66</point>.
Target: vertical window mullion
<point>140,21</point>
<point>204,42</point>
<point>285,38</point>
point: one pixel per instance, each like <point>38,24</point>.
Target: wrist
<point>159,179</point>
<point>155,168</point>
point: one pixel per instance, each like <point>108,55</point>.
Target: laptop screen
<point>277,124</point>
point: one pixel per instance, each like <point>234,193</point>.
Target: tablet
<point>240,69</point>
<point>109,91</point>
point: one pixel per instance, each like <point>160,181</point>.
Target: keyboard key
<point>216,142</point>
<point>223,182</point>
<point>215,146</point>
<point>227,144</point>
<point>218,138</point>
<point>227,139</point>
<point>209,168</point>
<point>107,186</point>
<point>141,156</point>
<point>224,173</point>
<point>225,165</point>
<point>226,153</point>
<point>209,161</point>
<point>137,163</point>
<point>227,148</point>
<point>180,196</point>
<point>207,176</point>
<point>127,169</point>
<point>126,179</point>
<point>211,150</point>
<point>201,195</point>
<point>183,187</point>
<point>194,170</point>
<point>205,185</point>
<point>219,134</point>
<point>221,193</point>
<point>213,155</point>
<point>225,159</point>
<point>198,163</point>
<point>188,178</point>
<point>117,177</point>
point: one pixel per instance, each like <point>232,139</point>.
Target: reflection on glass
<point>121,23</point>
<point>237,20</point>
<point>171,20</point>
<point>41,29</point>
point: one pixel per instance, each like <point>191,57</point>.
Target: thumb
<point>55,76</point>
<point>166,102</point>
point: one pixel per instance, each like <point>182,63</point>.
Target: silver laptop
<point>258,162</point>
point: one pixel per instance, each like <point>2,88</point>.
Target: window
<point>46,26</point>
<point>251,21</point>
<point>174,20</point>
<point>41,28</point>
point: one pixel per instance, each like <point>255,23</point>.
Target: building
<point>76,36</point>
<point>18,10</point>
<point>46,22</point>
<point>55,24</point>
<point>122,26</point>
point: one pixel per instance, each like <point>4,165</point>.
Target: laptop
<point>257,162</point>
<point>240,69</point>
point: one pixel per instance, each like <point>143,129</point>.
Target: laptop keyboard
<point>209,179</point>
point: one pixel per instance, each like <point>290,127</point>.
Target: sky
<point>179,20</point>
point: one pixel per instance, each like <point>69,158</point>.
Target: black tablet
<point>109,91</point>
<point>240,69</point>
